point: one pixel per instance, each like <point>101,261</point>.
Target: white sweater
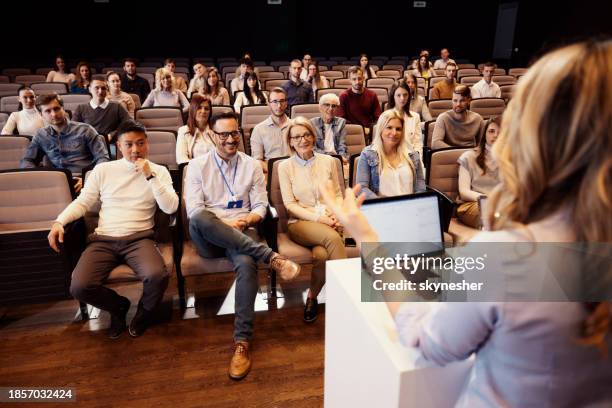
<point>128,200</point>
<point>27,122</point>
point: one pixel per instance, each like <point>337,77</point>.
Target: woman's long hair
<point>481,149</point>
<point>194,105</point>
<point>212,90</point>
<point>554,153</point>
<point>80,81</point>
<point>247,90</point>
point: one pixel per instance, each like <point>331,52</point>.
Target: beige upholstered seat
<point>273,83</point>
<point>390,73</point>
<point>71,101</point>
<point>321,92</point>
<point>263,76</point>
<point>382,94</point>
<point>504,79</point>
<point>487,107</point>
<point>334,74</point>
<point>12,149</point>
<point>386,83</point>
<point>9,103</point>
<point>506,92</point>
<point>250,116</point>
<point>166,118</point>
<point>27,80</point>
<point>343,83</point>
<point>515,72</point>
<point>438,106</point>
<point>355,139</point>
<point>49,87</point>
<point>470,80</point>
<point>467,72</point>
<point>307,110</point>
<point>31,200</point>
<point>443,175</point>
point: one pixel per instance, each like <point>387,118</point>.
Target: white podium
<point>365,365</point>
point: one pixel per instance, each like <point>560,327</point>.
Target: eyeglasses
<point>279,102</point>
<point>330,106</point>
<point>305,136</point>
<point>235,134</point>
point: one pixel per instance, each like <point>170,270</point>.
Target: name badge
<point>234,204</point>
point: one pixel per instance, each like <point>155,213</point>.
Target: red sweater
<point>362,109</point>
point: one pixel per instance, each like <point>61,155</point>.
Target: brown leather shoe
<point>240,365</point>
<point>286,268</point>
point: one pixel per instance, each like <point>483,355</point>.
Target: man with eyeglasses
<point>268,137</point>
<point>225,198</point>
<point>104,115</point>
<point>331,130</point>
<point>298,91</point>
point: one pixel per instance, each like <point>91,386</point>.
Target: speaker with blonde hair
<point>555,152</point>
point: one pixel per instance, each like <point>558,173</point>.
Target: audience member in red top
<point>358,104</point>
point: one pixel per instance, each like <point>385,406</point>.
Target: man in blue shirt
<point>67,145</point>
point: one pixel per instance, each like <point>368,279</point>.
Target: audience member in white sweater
<point>28,120</point>
<point>129,190</point>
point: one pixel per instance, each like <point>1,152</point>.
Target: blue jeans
<point>214,239</point>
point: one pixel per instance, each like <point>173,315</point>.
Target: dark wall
<point>84,29</point>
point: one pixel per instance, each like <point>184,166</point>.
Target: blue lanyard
<point>223,175</point>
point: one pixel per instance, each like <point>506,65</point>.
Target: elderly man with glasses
<point>268,137</point>
<point>226,197</point>
<point>331,129</point>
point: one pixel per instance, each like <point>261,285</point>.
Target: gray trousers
<point>103,254</point>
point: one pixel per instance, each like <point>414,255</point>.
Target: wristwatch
<point>151,176</point>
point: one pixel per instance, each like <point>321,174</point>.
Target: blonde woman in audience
<point>214,90</point>
<point>417,102</point>
<point>198,81</point>
<point>251,94</point>
<point>399,99</point>
<point>310,222</point>
<point>389,167</point>
<point>166,95</point>
<point>315,79</point>
<point>59,73</point>
<point>82,79</point>
<point>196,137</point>
<point>478,174</point>
<point>555,164</point>
<point>364,63</point>
<point>27,120</point>
<point>179,81</point>
<point>115,93</point>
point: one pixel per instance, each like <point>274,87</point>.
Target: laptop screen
<point>409,218</point>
